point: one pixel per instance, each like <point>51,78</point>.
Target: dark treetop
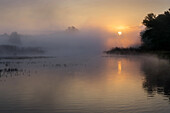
<point>156,36</point>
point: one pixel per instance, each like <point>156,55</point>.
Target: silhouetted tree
<point>14,38</point>
<point>157,33</point>
<point>72,29</point>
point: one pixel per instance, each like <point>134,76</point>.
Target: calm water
<point>94,84</point>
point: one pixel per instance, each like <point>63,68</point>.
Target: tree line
<point>156,35</point>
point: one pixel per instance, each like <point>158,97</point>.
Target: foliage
<point>157,33</point>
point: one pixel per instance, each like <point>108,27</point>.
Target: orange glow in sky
<point>52,15</point>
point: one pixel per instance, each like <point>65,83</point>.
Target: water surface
<point>91,84</point>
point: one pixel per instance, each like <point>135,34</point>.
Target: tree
<point>149,20</point>
<point>156,36</point>
<point>72,29</point>
<point>14,38</point>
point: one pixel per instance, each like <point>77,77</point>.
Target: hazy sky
<point>51,15</point>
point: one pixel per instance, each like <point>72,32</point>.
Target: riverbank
<point>138,51</point>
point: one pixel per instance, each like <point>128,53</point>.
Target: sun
<point>119,33</point>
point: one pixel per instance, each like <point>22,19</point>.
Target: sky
<point>28,16</point>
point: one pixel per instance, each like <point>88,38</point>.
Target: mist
<point>71,41</point>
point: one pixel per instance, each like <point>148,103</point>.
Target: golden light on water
<point>119,67</point>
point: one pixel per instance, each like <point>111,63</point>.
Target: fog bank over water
<point>72,42</point>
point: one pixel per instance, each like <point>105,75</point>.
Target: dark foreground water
<point>96,84</point>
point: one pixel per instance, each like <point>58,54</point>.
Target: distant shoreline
<point>137,51</point>
<point>24,57</point>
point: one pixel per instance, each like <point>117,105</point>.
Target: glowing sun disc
<point>119,33</point>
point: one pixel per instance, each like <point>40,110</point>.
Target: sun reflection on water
<point>119,67</point>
